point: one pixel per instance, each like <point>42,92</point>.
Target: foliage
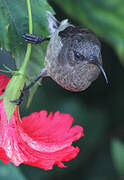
<point>14,23</point>
<point>99,109</point>
<point>103,17</point>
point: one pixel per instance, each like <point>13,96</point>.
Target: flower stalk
<point>16,84</point>
<point>28,52</point>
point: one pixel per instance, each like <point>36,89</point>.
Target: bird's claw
<point>30,38</point>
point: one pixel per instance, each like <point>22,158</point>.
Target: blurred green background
<point>99,109</point>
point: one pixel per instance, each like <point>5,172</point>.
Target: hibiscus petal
<point>3,83</point>
<point>3,156</point>
<point>39,140</point>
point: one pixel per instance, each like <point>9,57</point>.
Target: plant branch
<point>28,51</point>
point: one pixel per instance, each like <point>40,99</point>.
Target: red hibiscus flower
<point>39,139</point>
<point>3,83</point>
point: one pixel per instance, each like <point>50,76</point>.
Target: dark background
<point>99,109</point>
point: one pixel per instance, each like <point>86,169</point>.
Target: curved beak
<point>94,60</point>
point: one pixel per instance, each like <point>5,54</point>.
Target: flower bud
<point>12,92</point>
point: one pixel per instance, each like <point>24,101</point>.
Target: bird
<point>73,56</point>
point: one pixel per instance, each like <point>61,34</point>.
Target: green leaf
<point>117,150</point>
<point>14,23</point>
<point>105,18</point>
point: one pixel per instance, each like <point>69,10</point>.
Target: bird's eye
<point>78,56</point>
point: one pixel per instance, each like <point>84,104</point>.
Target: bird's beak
<point>94,60</point>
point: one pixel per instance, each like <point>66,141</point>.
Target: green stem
<point>28,52</point>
